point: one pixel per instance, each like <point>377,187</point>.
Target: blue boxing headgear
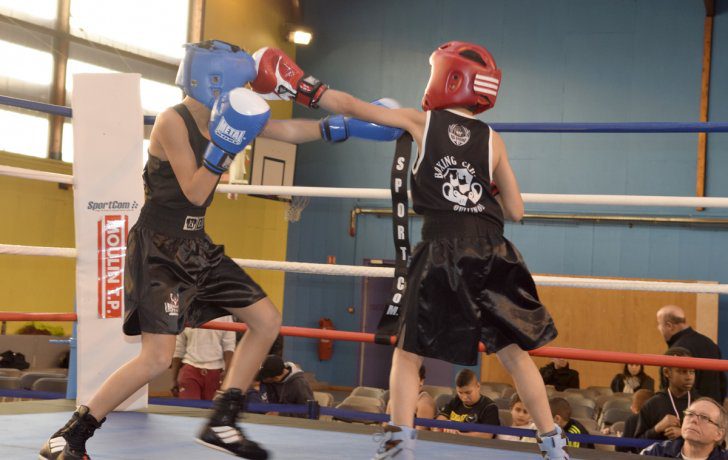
<point>213,67</point>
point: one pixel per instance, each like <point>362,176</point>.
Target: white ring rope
<point>384,194</point>
<point>19,250</point>
<point>628,200</point>
<point>387,272</point>
<point>325,192</point>
<point>35,174</point>
<point>317,269</point>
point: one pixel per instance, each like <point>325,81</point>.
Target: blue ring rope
<point>574,128</point>
<point>61,110</point>
<point>345,414</point>
<point>638,127</point>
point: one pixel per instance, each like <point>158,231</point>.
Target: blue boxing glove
<point>337,128</point>
<point>237,118</point>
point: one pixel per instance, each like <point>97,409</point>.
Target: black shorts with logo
<point>467,283</point>
<point>175,277</point>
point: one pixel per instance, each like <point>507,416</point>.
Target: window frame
<point>60,41</point>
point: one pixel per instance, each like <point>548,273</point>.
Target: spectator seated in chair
<point>631,379</point>
<point>283,383</point>
<point>660,417</point>
<point>561,410</point>
<point>469,406</point>
<point>560,375</point>
<point>702,434</point>
<point>521,419</point>
<point>425,403</point>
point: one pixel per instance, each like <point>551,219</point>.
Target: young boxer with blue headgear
<point>174,274</point>
<point>466,282</point>
<point>211,68</point>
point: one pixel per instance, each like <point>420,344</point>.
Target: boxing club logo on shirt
<point>172,307</point>
<point>459,184</point>
<point>459,134</point>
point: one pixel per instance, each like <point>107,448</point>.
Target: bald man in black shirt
<point>677,333</point>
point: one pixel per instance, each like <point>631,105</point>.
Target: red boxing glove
<point>280,78</point>
<point>494,189</point>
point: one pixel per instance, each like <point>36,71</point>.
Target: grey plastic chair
<point>9,383</point>
<point>324,399</point>
<point>503,403</point>
<point>614,415</point>
<point>589,423</point>
<point>365,401</point>
<point>617,404</point>
<point>27,379</point>
<point>51,384</point>
<point>10,372</point>
<point>617,427</point>
<point>369,392</point>
<point>599,390</point>
<point>579,400</point>
<point>496,387</point>
<point>506,419</point>
<point>360,404</point>
<point>442,400</point>
<point>585,412</point>
<point>490,393</point>
<point>437,390</point>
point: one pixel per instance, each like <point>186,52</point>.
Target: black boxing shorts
<point>467,283</point>
<point>175,277</point>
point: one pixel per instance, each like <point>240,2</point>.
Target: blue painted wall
<point>568,60</point>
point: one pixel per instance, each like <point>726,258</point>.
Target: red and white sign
<point>113,230</point>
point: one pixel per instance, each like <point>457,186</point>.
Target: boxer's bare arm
<point>510,193</point>
<point>293,131</point>
<point>411,120</point>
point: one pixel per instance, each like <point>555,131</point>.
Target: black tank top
<point>160,184</point>
<point>453,171</point>
<point>166,208</point>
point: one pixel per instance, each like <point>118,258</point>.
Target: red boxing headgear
<point>457,80</point>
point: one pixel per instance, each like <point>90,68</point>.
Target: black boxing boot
<point>222,432</point>
<point>69,443</point>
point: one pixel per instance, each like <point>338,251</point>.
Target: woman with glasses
<point>703,432</point>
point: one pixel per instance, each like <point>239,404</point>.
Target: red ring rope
<point>549,352</point>
<point>17,316</point>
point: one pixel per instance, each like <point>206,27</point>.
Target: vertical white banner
<point>108,132</point>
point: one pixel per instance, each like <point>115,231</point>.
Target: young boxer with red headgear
<point>466,282</point>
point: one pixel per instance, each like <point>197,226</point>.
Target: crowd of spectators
<point>685,416</point>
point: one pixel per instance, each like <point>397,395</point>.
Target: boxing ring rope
<point>363,193</point>
<point>312,410</point>
<point>364,337</point>
<point>385,194</point>
<point>388,272</point>
<point>43,176</point>
<point>575,128</point>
